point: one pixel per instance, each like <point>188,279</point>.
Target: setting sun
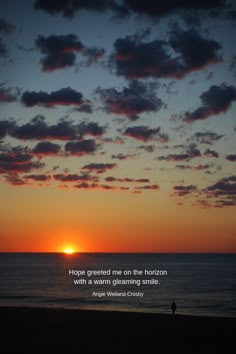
<point>69,251</point>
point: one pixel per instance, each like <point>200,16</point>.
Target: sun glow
<point>69,251</point>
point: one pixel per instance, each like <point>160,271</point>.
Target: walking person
<point>173,307</point>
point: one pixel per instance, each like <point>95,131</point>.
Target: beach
<point>47,330</point>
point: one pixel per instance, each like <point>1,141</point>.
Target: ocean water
<point>200,284</point>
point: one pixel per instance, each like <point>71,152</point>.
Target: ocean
<point>200,284</point>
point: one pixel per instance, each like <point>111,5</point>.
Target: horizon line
<point>118,252</point>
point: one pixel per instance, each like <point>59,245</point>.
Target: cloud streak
<point>191,151</point>
<point>63,97</point>
<point>148,8</point>
<point>38,129</point>
<point>127,180</point>
<point>69,8</point>
<point>99,167</point>
<point>62,177</point>
<point>182,191</point>
<point>143,133</point>
<point>207,137</point>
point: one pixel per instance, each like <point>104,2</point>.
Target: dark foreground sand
<point>33,330</point>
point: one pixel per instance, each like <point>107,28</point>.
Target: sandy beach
<point>43,330</point>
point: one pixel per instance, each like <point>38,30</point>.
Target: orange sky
<point>115,223</point>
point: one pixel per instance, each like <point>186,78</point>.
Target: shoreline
<point>98,311</point>
<point>42,330</point>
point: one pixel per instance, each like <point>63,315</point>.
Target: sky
<point>117,126</point>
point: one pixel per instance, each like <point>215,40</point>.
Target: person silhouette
<point>173,307</point>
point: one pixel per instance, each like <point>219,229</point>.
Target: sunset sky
<point>117,126</point>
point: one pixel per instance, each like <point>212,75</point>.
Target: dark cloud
<point>223,192</point>
<point>151,8</point>
<point>16,161</point>
<point>99,167</point>
<point>85,108</point>
<point>231,157</point>
<point>206,137</point>
<point>133,100</point>
<point>110,179</point>
<point>5,127</point>
<point>226,186</point>
<point>229,179</point>
<point>184,190</point>
<point>192,19</point>
<point>211,153</point>
<point>231,14</point>
<point>80,148</point>
<point>121,156</point>
<point>174,157</point>
<point>56,62</point>
<point>107,187</point>
<point>144,133</point>
<point>93,186</point>
<point>38,129</point>
<point>194,168</point>
<point>196,52</point>
<point>14,179</point>
<point>147,148</point>
<point>75,177</point>
<point>159,8</point>
<point>216,100</point>
<point>5,27</point>
<point>135,59</point>
<point>148,187</point>
<point>38,178</point>
<point>127,180</point>
<point>46,148</point>
<point>65,96</point>
<point>142,180</point>
<point>59,51</point>
<point>91,129</point>
<point>85,185</point>
<point>191,151</point>
<point>69,8</point>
